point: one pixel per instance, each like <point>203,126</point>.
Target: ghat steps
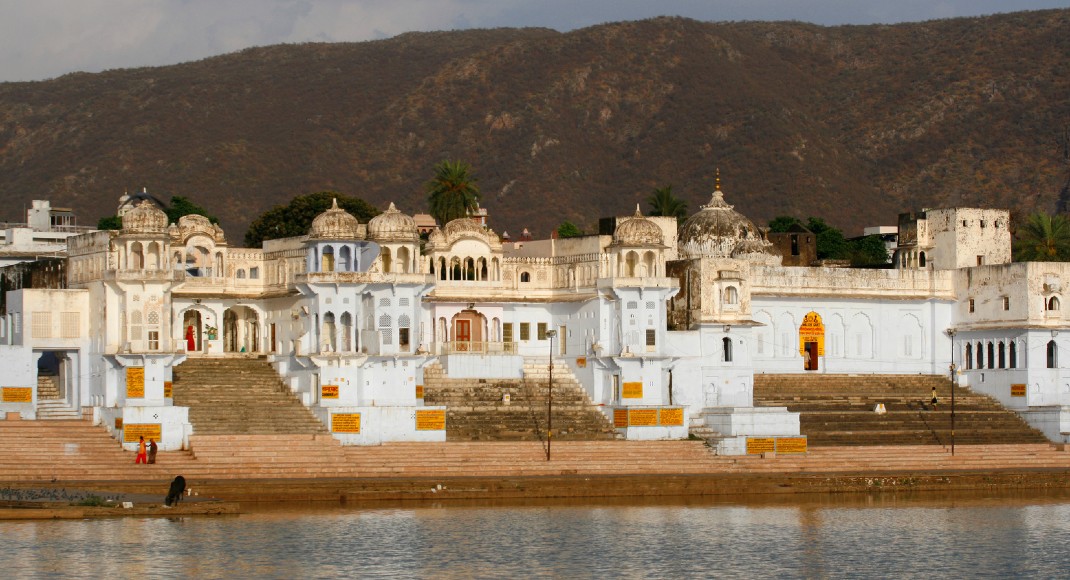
<point>839,410</point>
<point>50,403</point>
<point>239,395</point>
<point>76,451</point>
<point>476,409</point>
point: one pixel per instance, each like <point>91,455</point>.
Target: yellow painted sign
<point>18,395</point>
<point>135,382</point>
<point>643,417</point>
<point>345,423</point>
<point>791,445</point>
<point>672,416</point>
<point>167,389</point>
<point>812,330</point>
<point>329,391</point>
<point>620,418</point>
<point>1018,390</point>
<point>759,445</point>
<point>633,390</point>
<point>132,431</point>
<point>581,362</point>
<point>419,391</point>
<point>431,420</point>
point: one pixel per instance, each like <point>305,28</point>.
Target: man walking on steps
<point>933,401</point>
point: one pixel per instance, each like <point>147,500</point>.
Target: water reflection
<point>826,536</point>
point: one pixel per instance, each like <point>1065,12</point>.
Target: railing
<point>474,347</point>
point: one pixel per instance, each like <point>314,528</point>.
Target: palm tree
<point>1043,238</point>
<point>453,192</point>
<point>664,203</point>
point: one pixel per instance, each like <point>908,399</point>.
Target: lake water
<point>849,536</point>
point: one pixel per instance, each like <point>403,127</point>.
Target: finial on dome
<point>392,207</point>
<point>717,181</point>
<point>334,203</point>
<point>637,212</point>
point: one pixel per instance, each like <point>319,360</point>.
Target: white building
<point>665,329</point>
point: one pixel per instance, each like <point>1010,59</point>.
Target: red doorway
<point>810,348</point>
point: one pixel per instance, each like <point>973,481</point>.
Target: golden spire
<point>717,182</point>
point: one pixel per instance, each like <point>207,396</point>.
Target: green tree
<point>783,223</point>
<point>831,245</point>
<point>181,206</point>
<point>664,203</point>
<point>453,192</point>
<point>1043,238</point>
<point>295,218</point>
<point>568,229</point>
<point>867,251</point>
<point>112,222</point>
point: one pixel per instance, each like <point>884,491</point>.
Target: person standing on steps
<point>141,454</point>
<point>934,401</point>
<point>191,344</point>
<point>153,448</point>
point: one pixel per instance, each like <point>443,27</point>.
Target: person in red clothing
<point>142,455</point>
<point>191,345</point>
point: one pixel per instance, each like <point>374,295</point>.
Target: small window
<point>154,340</point>
<point>1006,303</point>
<point>403,338</point>
<point>651,339</point>
<point>963,223</point>
<point>254,273</point>
<point>980,260</point>
<point>971,305</point>
<point>1053,355</point>
<point>969,355</point>
<point>1053,303</point>
<point>541,331</point>
<point>1014,356</point>
<point>726,346</point>
<point>731,295</point>
<point>525,277</point>
<point>507,332</point>
<point>991,355</point>
<point>525,331</point>
<point>982,223</point>
<point>241,274</point>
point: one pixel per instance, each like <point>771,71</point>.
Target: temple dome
<point>145,218</point>
<point>393,226</point>
<point>638,231</point>
<point>335,224</point>
<point>718,231</point>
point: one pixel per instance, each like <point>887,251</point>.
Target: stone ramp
<point>76,452</point>
<point>837,410</point>
<point>239,395</point>
<point>476,409</point>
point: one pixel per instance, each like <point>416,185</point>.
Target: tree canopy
<point>1043,238</point>
<point>664,203</point>
<point>568,229</point>
<point>295,218</point>
<point>453,192</point>
<point>783,223</point>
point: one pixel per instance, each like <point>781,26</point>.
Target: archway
<point>466,330</point>
<point>241,330</point>
<point>811,340</point>
<point>191,331</point>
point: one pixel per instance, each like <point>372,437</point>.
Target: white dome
<point>393,226</point>
<point>335,224</point>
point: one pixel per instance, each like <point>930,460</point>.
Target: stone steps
<point>837,410</point>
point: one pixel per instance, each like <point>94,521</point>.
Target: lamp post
<point>951,334</point>
<point>550,394</point>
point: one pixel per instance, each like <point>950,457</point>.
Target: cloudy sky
<point>41,39</point>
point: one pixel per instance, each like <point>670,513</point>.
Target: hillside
<point>853,123</point>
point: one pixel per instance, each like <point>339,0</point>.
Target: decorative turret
<point>145,218</point>
<point>638,231</point>
<point>393,226</point>
<point>718,231</point>
<point>335,224</point>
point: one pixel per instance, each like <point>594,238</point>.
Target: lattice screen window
<point>384,302</point>
<point>403,301</point>
<point>42,325</point>
<point>633,305</point>
<point>68,324</point>
<point>650,305</point>
<point>135,325</point>
<point>384,321</point>
<point>388,336</point>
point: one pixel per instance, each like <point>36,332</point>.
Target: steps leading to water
<point>50,404</point>
<point>838,410</point>
<point>476,409</point>
<point>239,395</point>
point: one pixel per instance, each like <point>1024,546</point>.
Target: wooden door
<point>463,334</point>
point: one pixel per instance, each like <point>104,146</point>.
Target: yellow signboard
<point>419,391</point>
<point>1018,390</point>
<point>135,382</point>
<point>329,391</point>
<point>132,431</point>
<point>431,420</point>
<point>633,390</point>
<point>345,423</point>
<point>643,417</point>
<point>620,418</point>
<point>812,330</point>
<point>759,445</point>
<point>791,445</point>
<point>18,395</point>
<point>672,416</point>
<point>167,389</point>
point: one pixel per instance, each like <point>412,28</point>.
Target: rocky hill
<point>852,123</point>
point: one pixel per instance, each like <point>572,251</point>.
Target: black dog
<point>174,495</point>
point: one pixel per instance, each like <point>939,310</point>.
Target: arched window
<point>980,356</point>
<point>991,355</point>
<point>969,355</point>
<point>241,274</point>
<point>1014,355</point>
<point>388,262</point>
<point>1002,356</point>
<point>1053,355</point>
<point>921,260</point>
<point>525,277</point>
<point>726,345</point>
<point>731,295</point>
<point>1053,303</point>
<point>327,263</point>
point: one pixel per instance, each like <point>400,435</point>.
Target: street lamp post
<point>951,335</point>
<point>550,394</point>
